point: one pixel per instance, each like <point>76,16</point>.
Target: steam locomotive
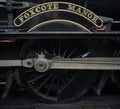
<point>59,50</point>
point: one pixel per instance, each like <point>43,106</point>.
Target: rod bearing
<point>41,65</point>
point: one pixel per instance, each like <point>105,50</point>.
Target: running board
<point>58,34</point>
<point>43,64</point>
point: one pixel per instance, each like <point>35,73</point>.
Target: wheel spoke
<point>115,53</point>
<point>73,51</point>
<point>62,88</point>
<point>59,54</point>
<point>118,54</point>
<point>84,55</point>
<point>38,77</point>
<point>43,84</point>
<point>50,86</point>
<point>53,50</point>
<point>58,84</point>
<point>66,50</point>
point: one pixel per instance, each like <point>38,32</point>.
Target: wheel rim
<point>56,85</point>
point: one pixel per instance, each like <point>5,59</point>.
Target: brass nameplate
<point>57,6</point>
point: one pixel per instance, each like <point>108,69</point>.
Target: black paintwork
<point>109,8</point>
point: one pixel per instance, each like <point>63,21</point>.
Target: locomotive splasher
<point>54,53</point>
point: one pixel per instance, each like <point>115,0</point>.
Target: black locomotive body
<point>59,50</point>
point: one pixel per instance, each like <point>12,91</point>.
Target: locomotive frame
<point>10,33</point>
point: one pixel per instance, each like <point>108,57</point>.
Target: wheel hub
<point>41,64</point>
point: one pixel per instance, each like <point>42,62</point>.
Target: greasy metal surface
<point>8,63</point>
<point>87,63</point>
<point>77,63</point>
<point>16,63</point>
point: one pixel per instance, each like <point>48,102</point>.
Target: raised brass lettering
<point>71,7</point>
<point>26,15</point>
<point>49,6</point>
<point>32,12</point>
<point>84,13</point>
<point>78,10</point>
<point>43,8</point>
<point>95,18</point>
<point>37,9</point>
<point>57,6</point>
<point>21,19</point>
